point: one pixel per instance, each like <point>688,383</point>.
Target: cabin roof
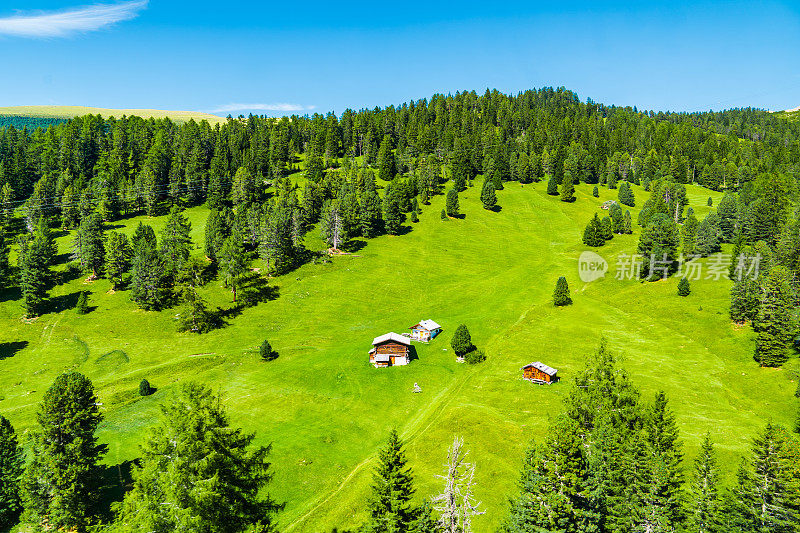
<point>428,324</point>
<point>550,371</point>
<point>392,336</point>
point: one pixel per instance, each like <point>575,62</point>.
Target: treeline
<point>142,163</point>
<point>610,462</point>
<point>30,123</point>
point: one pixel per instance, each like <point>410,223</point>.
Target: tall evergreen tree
<point>386,162</point>
<point>667,453</point>
<point>61,484</point>
<point>370,218</point>
<point>625,195</point>
<point>118,257</point>
<point>567,188</point>
<point>658,244</point>
<point>176,243</point>
<point>232,264</point>
<point>775,325</point>
<point>488,195</point>
<point>689,233</point>
<point>88,246</point>
<point>552,186</point>
<point>704,503</point>
<point>197,473</point>
<point>593,234</point>
<point>11,467</point>
<point>148,277</point>
<point>451,203</point>
<point>388,505</point>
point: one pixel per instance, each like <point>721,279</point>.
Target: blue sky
<point>277,57</point>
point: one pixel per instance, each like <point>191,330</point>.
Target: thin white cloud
<point>282,107</point>
<point>68,21</point>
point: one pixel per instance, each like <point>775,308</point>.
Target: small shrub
<point>266,351</point>
<point>82,306</point>
<point>561,293</point>
<point>710,202</point>
<point>683,287</point>
<point>144,388</point>
<point>595,192</point>
<point>444,214</point>
<point>475,356</point>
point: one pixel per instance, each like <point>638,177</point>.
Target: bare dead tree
<point>456,502</point>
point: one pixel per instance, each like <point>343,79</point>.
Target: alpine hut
<point>390,350</point>
<point>425,330</point>
<point>539,373</point>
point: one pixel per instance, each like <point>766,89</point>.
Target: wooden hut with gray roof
<point>539,373</point>
<point>390,349</point>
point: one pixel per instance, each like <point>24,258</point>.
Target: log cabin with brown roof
<point>391,349</point>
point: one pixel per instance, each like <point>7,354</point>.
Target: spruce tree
<point>625,195</point>
<point>118,258</point>
<point>194,316</point>
<point>232,264</point>
<point>689,232</point>
<point>627,227</point>
<point>728,214</point>
<point>488,195</point>
<point>461,341</point>
<point>392,215</point>
<point>176,244</point>
<point>451,203</point>
<point>82,307</point>
<point>765,497</point>
<point>386,162</point>
<point>148,278</point>
<point>708,236</point>
<point>35,255</point>
<point>61,483</point>
<point>704,513</point>
<point>659,243</point>
<point>595,192</point>
<point>552,186</point>
<point>197,473</point>
<point>666,487</point>
<point>217,230</point>
<point>775,325</point>
<point>683,287</point>
<point>143,235</point>
<point>11,467</point>
<point>561,293</point>
<point>593,234</point>
<point>389,503</point>
<point>266,351</point>
<point>89,246</point>
<point>567,189</point>
<point>370,218</point>
<point>144,388</point>
<point>607,228</point>
<point>745,300</point>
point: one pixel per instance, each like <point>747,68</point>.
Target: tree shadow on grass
<point>10,349</point>
<point>56,304</point>
<point>353,246</point>
<point>10,294</point>
<point>496,208</point>
<point>115,481</point>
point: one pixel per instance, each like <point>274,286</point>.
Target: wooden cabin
<point>425,330</point>
<point>391,349</point>
<point>539,373</point>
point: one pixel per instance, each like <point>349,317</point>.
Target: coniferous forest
<point>611,459</point>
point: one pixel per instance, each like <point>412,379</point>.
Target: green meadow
<point>326,411</point>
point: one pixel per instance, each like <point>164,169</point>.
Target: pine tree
<point>88,246</point>
<point>552,186</point>
<point>143,236</point>
<point>683,287</point>
<point>195,316</point>
<point>232,264</point>
<point>765,499</point>
<point>217,230</point>
<point>775,323</point>
<point>197,473</point>
<point>176,243</point>
<point>567,189</point>
<point>144,388</point>
<point>424,521</point>
<point>728,217</point>
<point>704,507</point>
<point>148,279</point>
<point>745,300</point>
<point>266,351</point>
<point>392,215</point>
<point>659,243</point>
<point>118,257</point>
<point>461,341</point>
<point>710,202</point>
<point>625,195</point>
<point>35,255</point>
<point>11,467</point>
<point>488,195</point>
<point>689,232</point>
<point>451,203</point>
<point>607,228</point>
<point>243,189</point>
<point>82,307</point>
<point>392,488</point>
<point>595,192</point>
<point>708,236</point>
<point>61,483</point>
<point>386,162</point>
<point>455,502</point>
<point>627,227</point>
<point>561,293</point>
<point>666,486</point>
<point>593,234</point>
<point>370,217</point>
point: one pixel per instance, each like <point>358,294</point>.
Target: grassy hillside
<point>69,111</point>
<point>327,411</point>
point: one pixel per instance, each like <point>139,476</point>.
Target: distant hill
<point>69,111</point>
